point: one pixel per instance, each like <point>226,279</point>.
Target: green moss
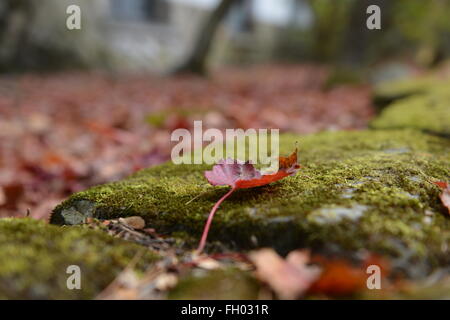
<point>387,92</point>
<point>157,119</point>
<point>227,284</point>
<point>383,175</point>
<point>34,258</point>
<point>429,112</point>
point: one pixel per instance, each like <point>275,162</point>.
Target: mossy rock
<point>34,259</point>
<point>392,90</point>
<point>388,92</point>
<point>356,190</point>
<point>429,112</point>
<point>226,284</point>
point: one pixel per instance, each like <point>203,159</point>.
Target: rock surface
<point>357,190</point>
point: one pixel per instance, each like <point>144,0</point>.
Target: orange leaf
<point>288,162</point>
<point>339,278</point>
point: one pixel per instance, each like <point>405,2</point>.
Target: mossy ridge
<point>388,92</point>
<point>401,88</point>
<point>429,112</point>
<point>34,257</point>
<point>386,171</point>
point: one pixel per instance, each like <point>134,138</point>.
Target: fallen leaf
<point>288,162</point>
<point>445,195</point>
<point>338,278</point>
<point>242,175</point>
<point>10,194</point>
<point>289,278</point>
<point>166,281</point>
<point>134,222</point>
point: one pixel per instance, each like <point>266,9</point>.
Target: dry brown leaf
<point>289,278</point>
<point>134,222</point>
<point>166,281</point>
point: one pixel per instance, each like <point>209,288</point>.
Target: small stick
<point>197,196</point>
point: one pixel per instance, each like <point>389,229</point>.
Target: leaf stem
<point>210,218</point>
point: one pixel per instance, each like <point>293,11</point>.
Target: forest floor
<point>372,189</point>
<point>62,133</point>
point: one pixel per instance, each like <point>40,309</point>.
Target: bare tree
<point>14,16</point>
<point>196,60</point>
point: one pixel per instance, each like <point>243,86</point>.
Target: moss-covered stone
<point>34,258</point>
<point>227,284</point>
<point>429,112</point>
<point>356,190</point>
<point>387,92</point>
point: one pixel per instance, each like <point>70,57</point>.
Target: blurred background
<point>158,35</point>
<point>83,107</point>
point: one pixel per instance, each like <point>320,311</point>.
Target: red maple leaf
<point>243,175</point>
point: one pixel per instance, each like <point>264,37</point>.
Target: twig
<point>196,197</point>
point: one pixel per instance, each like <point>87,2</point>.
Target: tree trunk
<point>361,43</point>
<point>14,31</point>
<point>196,61</point>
